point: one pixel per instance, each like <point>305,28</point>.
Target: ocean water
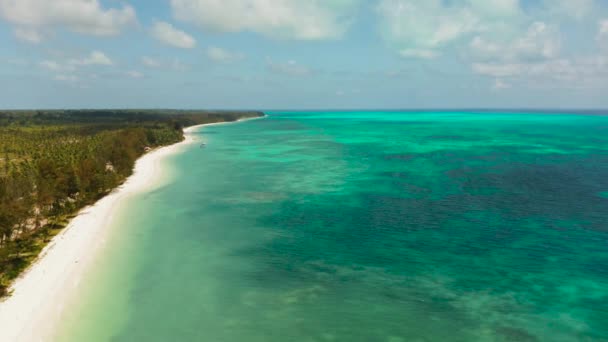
<point>365,226</point>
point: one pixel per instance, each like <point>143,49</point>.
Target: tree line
<point>54,163</point>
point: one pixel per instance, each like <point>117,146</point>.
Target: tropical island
<point>53,163</point>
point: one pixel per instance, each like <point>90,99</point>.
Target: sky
<point>303,54</point>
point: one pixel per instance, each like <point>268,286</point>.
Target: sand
<point>41,294</point>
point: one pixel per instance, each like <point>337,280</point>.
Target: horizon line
<point>311,109</point>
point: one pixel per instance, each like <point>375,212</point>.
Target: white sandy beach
<point>39,296</point>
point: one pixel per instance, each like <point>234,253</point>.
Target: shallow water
<point>365,227</point>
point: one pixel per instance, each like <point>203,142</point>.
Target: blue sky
<point>295,54</point>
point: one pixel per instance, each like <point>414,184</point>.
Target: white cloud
<point>95,58</point>
<point>535,59</point>
<point>169,35</point>
<point>81,16</point>
<point>603,27</point>
<point>177,65</point>
<point>495,8</point>
<point>291,68</point>
<point>422,29</point>
<point>498,69</point>
<point>66,78</point>
<point>419,53</point>
<point>223,56</point>
<point>134,74</point>
<point>576,9</point>
<point>602,33</point>
<point>54,66</point>
<point>284,19</point>
<point>28,35</point>
<point>168,64</point>
<point>573,71</point>
<point>500,85</point>
<point>151,62</point>
<point>67,71</point>
<point>540,41</point>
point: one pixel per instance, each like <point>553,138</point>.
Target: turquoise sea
<point>365,226</point>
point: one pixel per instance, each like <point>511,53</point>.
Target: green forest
<point>54,163</point>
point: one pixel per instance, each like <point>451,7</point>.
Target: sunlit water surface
<point>365,227</point>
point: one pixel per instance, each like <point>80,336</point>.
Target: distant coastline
<point>42,293</point>
<point>54,163</point>
<point>548,111</point>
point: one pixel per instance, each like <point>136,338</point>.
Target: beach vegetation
<point>54,163</point>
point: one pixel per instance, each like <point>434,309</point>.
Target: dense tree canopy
<point>53,163</point>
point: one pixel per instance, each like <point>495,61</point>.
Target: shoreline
<point>40,295</point>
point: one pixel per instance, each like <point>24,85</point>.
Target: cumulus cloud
<point>540,41</point>
<point>177,65</point>
<point>151,62</point>
<point>66,78</point>
<point>28,35</point>
<point>169,35</point>
<point>55,66</point>
<point>576,9</point>
<point>498,69</point>
<point>422,29</point>
<point>168,64</point>
<point>500,84</point>
<point>220,55</point>
<point>68,70</point>
<point>602,33</point>
<point>134,74</point>
<point>495,8</point>
<point>576,71</point>
<point>603,27</point>
<point>94,58</point>
<point>291,68</point>
<point>536,57</point>
<point>284,19</point>
<point>81,16</point>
